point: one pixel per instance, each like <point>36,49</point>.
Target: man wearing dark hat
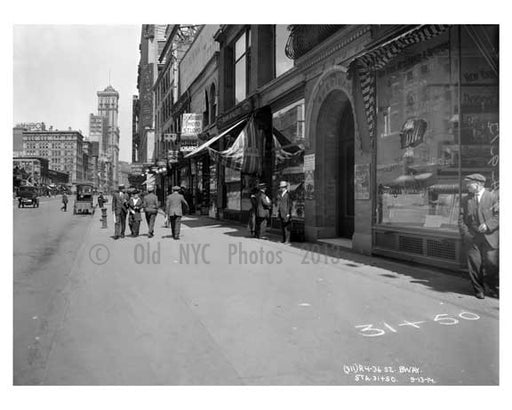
<point>284,211</point>
<point>119,210</point>
<point>479,228</point>
<point>151,206</point>
<point>134,207</point>
<point>174,211</point>
<point>263,205</point>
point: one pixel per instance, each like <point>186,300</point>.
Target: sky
<point>58,69</point>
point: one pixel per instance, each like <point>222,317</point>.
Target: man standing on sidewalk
<point>284,207</point>
<point>479,228</point>
<point>174,210</point>
<point>151,206</point>
<point>119,210</point>
<point>263,205</point>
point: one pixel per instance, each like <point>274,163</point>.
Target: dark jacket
<point>173,206</point>
<point>119,202</point>
<point>263,205</point>
<point>284,206</point>
<point>472,215</point>
<point>64,199</point>
<point>151,203</point>
<point>135,205</point>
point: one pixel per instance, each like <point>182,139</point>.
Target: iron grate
<point>410,244</point>
<point>444,249</point>
<point>385,240</point>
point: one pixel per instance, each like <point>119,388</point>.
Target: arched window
<point>206,115</point>
<point>213,104</point>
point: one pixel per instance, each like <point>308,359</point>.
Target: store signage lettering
<point>412,132</point>
<point>479,75</point>
<point>192,124</point>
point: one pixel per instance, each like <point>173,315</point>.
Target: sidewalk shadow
<point>438,279</point>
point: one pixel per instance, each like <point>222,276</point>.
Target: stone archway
<point>331,131</point>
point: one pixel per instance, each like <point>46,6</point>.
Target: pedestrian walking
<point>174,210</point>
<point>64,202</point>
<point>119,210</point>
<point>284,211</point>
<point>151,205</point>
<point>101,200</point>
<point>134,209</point>
<point>479,228</point>
<point>263,206</point>
<point>251,225</point>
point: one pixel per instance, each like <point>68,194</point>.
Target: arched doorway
<point>335,144</point>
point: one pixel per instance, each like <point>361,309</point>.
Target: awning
<point>284,149</point>
<point>245,153</point>
<point>204,146</point>
<point>379,56</point>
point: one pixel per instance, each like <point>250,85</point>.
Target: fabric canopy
<point>203,147</point>
<point>245,153</point>
<point>284,148</point>
<point>377,58</point>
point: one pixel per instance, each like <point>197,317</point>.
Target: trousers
<point>482,261</point>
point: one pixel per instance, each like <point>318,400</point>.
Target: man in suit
<point>263,205</point>
<point>134,208</point>
<point>284,211</point>
<point>151,206</point>
<point>174,211</point>
<point>119,210</point>
<point>479,228</point>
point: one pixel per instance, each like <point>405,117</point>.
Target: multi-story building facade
<point>384,122</point>
<point>63,149</point>
<point>135,128</point>
<point>151,44</point>
<point>108,107</point>
<point>98,132</point>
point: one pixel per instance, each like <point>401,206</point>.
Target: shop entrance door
<point>345,200</point>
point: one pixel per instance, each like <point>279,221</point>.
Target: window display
<point>433,130</point>
<point>417,146</point>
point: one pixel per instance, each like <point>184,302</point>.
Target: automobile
<point>84,199</point>
<point>28,195</point>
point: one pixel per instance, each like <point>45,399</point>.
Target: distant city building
<point>34,171</point>
<point>98,132</point>
<point>135,128</point>
<point>124,172</point>
<point>108,107</point>
<point>63,149</point>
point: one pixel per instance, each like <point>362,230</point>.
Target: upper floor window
<point>213,104</point>
<point>242,66</point>
<point>282,62</point>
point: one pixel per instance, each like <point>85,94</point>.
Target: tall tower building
<point>108,107</point>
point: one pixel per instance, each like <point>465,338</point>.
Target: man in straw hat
<point>479,228</point>
<point>119,210</point>
<point>284,211</point>
<point>174,210</point>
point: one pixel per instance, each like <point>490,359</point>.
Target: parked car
<point>28,195</point>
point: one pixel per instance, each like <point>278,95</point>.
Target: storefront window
<point>289,166</point>
<point>417,138</point>
<point>233,189</point>
<point>432,131</point>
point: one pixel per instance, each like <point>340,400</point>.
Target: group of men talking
<point>131,206</point>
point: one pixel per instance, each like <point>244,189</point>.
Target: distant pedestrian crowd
<point>130,206</point>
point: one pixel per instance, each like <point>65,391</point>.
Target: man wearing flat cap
<point>151,206</point>
<point>174,210</point>
<point>284,211</point>
<point>119,210</point>
<point>263,205</point>
<point>479,228</point>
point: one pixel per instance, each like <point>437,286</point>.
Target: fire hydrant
<point>103,218</point>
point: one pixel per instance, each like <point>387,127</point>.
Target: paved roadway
<point>217,308</point>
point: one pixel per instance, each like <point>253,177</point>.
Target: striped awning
<point>202,148</point>
<point>378,57</point>
<point>284,149</point>
<point>245,153</point>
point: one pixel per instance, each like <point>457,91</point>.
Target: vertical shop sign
<point>309,176</point>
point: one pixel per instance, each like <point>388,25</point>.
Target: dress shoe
<point>116,237</point>
<point>479,295</point>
